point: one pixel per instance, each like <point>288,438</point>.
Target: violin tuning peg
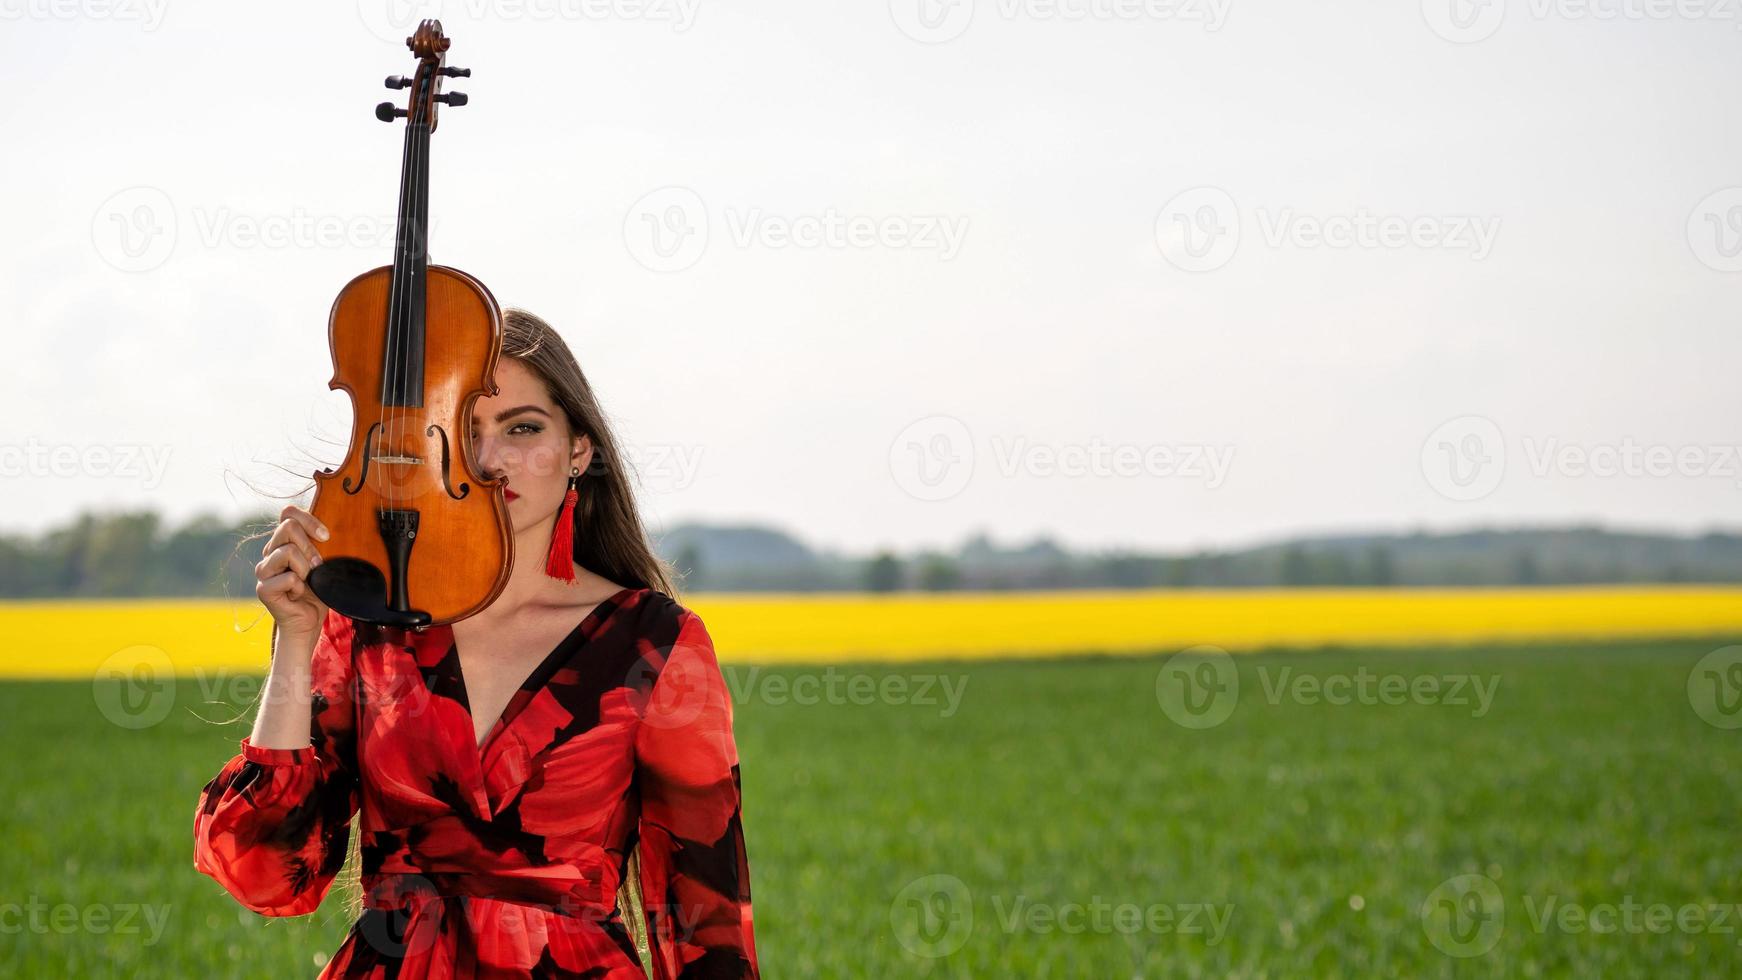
<point>457,72</point>
<point>455,99</point>
<point>387,112</point>
<point>398,81</point>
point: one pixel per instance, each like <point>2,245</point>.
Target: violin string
<point>403,367</point>
<point>420,239</point>
<point>395,310</point>
<point>398,356</point>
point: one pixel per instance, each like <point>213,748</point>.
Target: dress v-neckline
<point>529,685</point>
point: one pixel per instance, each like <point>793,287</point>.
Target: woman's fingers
<point>286,585</point>
<point>287,556</point>
<point>310,526</point>
<point>292,532</point>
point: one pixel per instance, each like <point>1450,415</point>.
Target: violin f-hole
<point>447,466</point>
<point>368,455</point>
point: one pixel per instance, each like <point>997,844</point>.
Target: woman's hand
<point>283,572</point>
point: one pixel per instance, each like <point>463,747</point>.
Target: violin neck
<point>402,373</point>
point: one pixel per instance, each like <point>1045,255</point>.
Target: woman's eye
<point>529,428</point>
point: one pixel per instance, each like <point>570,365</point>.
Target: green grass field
<point>1057,823</point>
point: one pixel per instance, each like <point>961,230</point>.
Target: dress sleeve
<point>695,876</point>
<point>272,825</point>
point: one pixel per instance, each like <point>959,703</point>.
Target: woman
<point>518,772</point>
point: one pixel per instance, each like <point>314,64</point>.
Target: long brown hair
<point>609,538</point>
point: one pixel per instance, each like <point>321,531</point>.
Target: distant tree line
<point>134,554</point>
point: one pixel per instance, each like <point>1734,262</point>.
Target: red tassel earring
<point>560,563</point>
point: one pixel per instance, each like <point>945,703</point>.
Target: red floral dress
<point>503,861</point>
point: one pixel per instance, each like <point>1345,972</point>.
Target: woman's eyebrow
<point>522,408</point>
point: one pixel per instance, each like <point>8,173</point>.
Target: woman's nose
<point>487,456</point>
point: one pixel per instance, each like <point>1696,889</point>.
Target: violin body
<point>419,537</point>
<point>463,339</point>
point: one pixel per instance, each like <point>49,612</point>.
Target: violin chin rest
<point>357,589</point>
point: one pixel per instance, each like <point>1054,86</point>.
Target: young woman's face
<point>520,433</point>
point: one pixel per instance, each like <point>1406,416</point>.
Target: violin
<point>419,537</point>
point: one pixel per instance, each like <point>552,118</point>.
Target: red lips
<point>508,494</point>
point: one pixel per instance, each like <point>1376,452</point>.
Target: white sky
<point>802,386</point>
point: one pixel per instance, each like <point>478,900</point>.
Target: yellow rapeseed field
<point>78,638</point>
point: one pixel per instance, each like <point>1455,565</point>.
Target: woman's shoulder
<point>657,616</point>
